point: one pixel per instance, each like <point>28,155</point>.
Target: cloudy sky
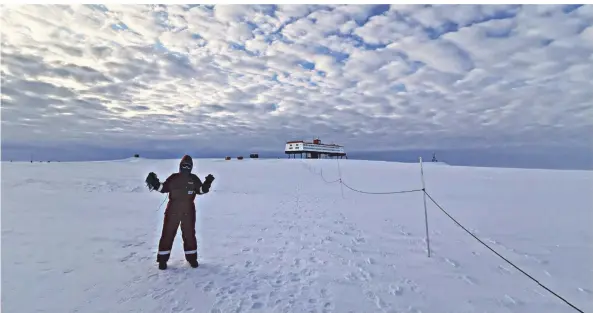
<point>178,79</point>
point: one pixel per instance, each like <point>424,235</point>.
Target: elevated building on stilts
<point>314,150</point>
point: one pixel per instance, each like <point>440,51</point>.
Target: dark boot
<point>162,265</point>
<point>193,263</point>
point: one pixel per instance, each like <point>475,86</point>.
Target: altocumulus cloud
<point>370,77</point>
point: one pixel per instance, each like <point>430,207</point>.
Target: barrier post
<point>340,173</point>
<point>425,212</point>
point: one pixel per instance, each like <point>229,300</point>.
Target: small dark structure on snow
<point>254,156</point>
<point>239,158</point>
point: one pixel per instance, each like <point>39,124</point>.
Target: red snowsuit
<point>182,189</point>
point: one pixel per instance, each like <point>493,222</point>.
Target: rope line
<point>378,193</point>
<point>327,181</point>
<point>339,180</point>
<point>456,222</point>
<point>165,199</point>
<point>498,254</point>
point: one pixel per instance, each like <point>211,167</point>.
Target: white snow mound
<point>274,237</point>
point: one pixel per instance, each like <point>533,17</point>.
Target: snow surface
<point>274,237</point>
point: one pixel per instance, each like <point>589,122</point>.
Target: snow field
<point>274,237</point>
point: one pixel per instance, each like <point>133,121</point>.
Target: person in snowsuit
<point>182,188</point>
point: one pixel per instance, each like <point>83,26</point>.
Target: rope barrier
<point>498,254</point>
<point>456,222</point>
<point>339,180</point>
<point>378,193</point>
<point>327,181</point>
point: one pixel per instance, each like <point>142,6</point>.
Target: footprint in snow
<point>509,301</point>
<point>358,240</point>
<point>504,269</point>
<point>375,298</point>
<point>468,279</point>
<point>127,257</point>
<point>405,233</point>
<point>585,290</point>
<point>453,263</point>
<point>208,286</point>
<point>396,290</point>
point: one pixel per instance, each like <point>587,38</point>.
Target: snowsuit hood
<point>186,160</point>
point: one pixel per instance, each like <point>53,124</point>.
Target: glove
<point>207,183</point>
<point>152,181</point>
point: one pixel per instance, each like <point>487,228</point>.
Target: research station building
<point>314,150</point>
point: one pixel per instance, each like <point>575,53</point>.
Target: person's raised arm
<point>203,188</point>
<point>153,183</point>
<point>207,183</point>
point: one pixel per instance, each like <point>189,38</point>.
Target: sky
<point>105,81</point>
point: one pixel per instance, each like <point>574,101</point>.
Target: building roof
<point>311,143</point>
